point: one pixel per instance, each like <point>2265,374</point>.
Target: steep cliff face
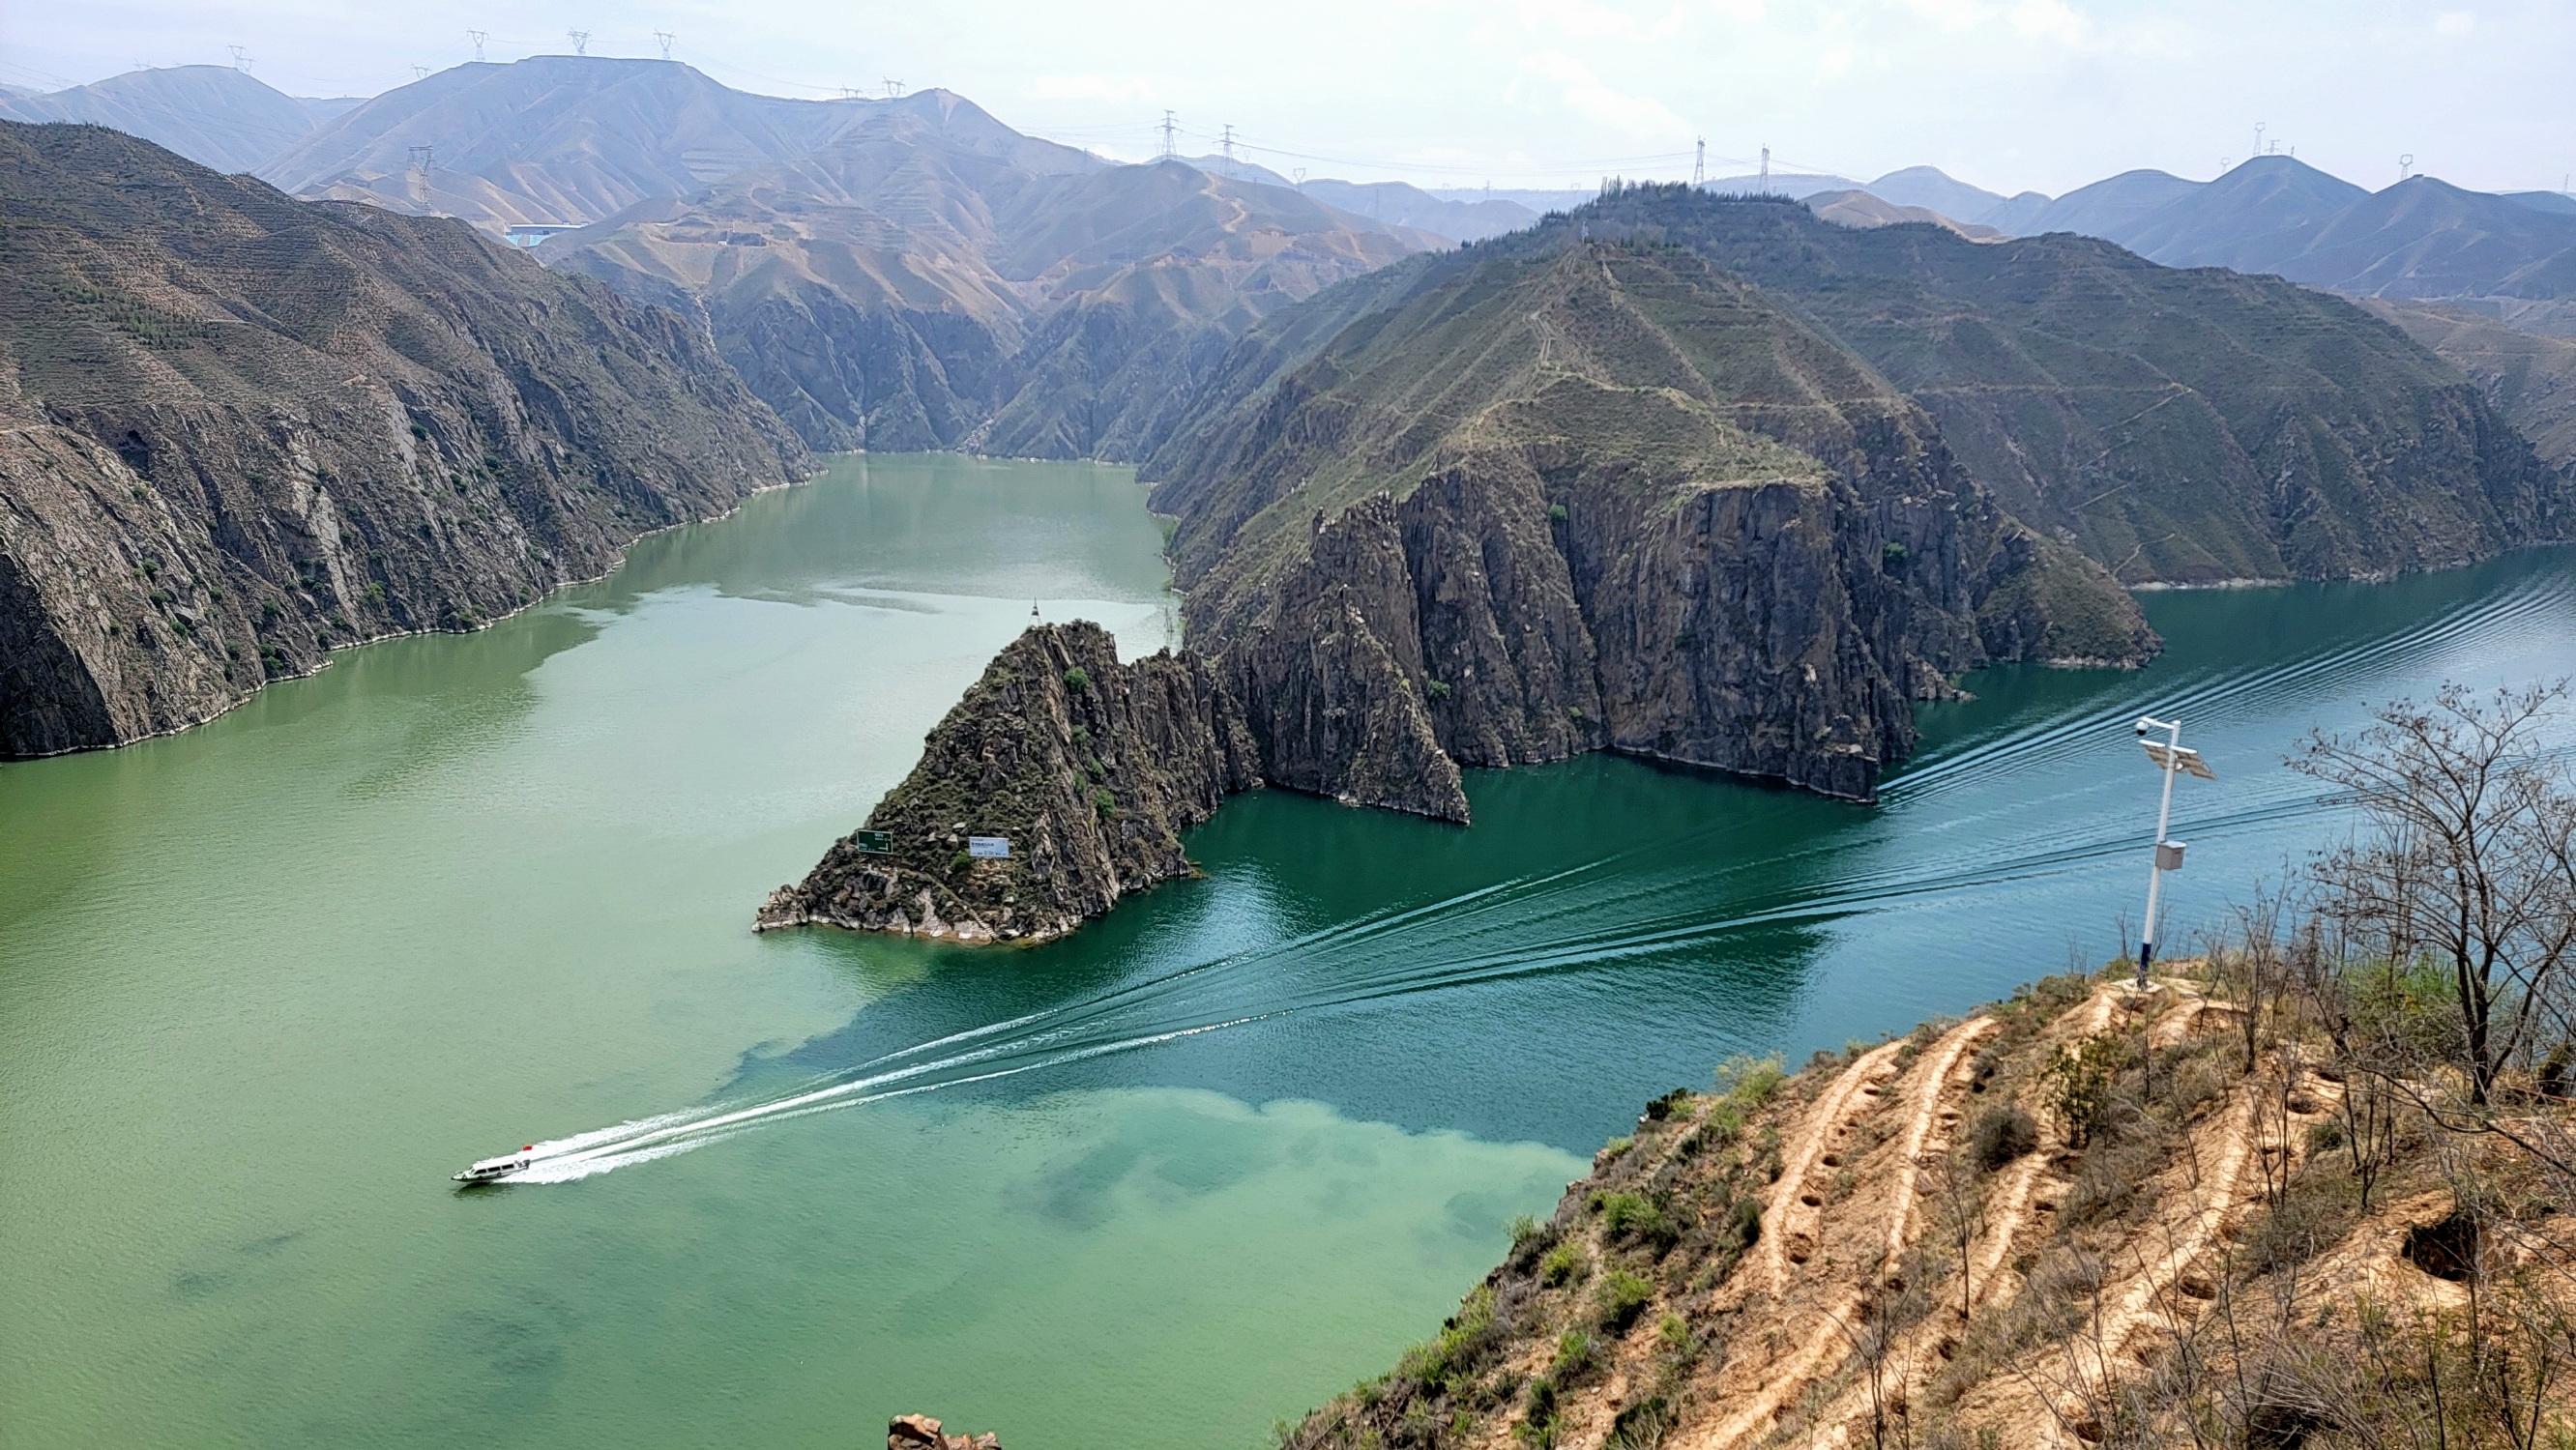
<point>1603,498</point>
<point>1089,767</point>
<point>243,430</point>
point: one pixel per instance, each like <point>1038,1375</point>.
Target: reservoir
<point>265,984</point>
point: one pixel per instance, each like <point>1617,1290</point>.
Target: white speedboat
<point>488,1169</point>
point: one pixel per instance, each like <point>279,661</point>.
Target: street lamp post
<point>2170,757</point>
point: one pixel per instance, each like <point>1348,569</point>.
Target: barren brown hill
<point>2089,1215</point>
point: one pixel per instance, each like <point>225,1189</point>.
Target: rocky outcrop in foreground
<point>920,1432</point>
<point>1089,767</point>
<point>238,431</point>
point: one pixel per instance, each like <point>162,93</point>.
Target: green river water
<point>263,985</point>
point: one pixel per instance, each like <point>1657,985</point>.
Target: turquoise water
<point>263,985</point>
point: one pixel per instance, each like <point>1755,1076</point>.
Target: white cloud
<point>1576,87</point>
<point>2048,19</point>
<point>1951,14</point>
<point>1091,88</point>
<point>1836,61</point>
<point>1742,12</point>
<point>1586,20</point>
<point>2455,22</point>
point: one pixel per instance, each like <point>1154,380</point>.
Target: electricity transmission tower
<point>1227,146</point>
<point>893,88</point>
<point>422,158</point>
<point>241,58</point>
<point>580,41</point>
<point>478,37</point>
<point>1699,165</point>
<point>665,37</point>
<point>1168,152</point>
<point>1766,171</point>
<point>420,73</point>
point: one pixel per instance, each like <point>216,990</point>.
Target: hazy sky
<point>2009,94</point>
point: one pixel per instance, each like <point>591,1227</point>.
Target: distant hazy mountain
<point>559,139</point>
<point>2422,238</point>
<point>1933,189</point>
<point>2263,211</point>
<point>929,278</point>
<point>1860,209</point>
<point>1540,201</point>
<point>2015,217</point>
<point>2108,208</point>
<point>1465,217</point>
<point>2549,201</point>
<point>2427,238</point>
<point>329,108</point>
<point>214,115</point>
<point>1781,183</point>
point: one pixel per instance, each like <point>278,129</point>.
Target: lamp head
<point>2144,727</point>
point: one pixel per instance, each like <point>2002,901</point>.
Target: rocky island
<point>1090,769</point>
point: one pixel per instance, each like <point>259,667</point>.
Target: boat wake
<point>1576,920</point>
<point>1675,898</point>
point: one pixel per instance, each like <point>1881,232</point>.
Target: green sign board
<point>875,843</point>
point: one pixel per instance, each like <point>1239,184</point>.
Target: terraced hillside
<point>2087,1216</point>
<point>238,431</point>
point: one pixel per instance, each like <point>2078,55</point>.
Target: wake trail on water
<point>2053,739</point>
<point>1574,919</point>
<point>1626,905</point>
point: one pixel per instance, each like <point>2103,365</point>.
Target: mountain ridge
<point>246,430</point>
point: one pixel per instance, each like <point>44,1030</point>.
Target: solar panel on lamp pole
<point>2168,756</point>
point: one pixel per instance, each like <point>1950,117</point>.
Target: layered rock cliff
<point>1090,769</point>
<point>1601,498</point>
<point>238,431</point>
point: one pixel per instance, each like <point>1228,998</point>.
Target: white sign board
<point>990,848</point>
